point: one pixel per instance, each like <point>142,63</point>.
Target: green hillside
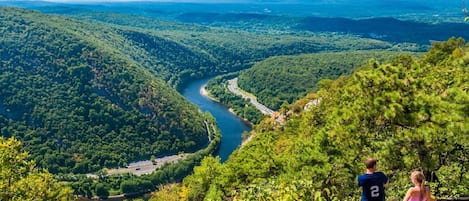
<point>181,52</point>
<point>285,79</point>
<point>280,80</point>
<point>83,94</point>
<point>410,114</point>
<point>78,103</point>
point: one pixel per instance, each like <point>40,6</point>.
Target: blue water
<point>231,126</point>
<point>357,12</point>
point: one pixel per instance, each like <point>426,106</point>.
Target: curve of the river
<point>231,126</point>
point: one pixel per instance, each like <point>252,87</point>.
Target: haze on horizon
<point>187,1</point>
<point>422,2</point>
<point>204,1</point>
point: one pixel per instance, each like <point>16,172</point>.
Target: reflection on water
<point>231,126</point>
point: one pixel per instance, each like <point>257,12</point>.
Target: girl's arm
<point>407,195</point>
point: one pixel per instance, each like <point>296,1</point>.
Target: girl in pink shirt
<point>419,192</point>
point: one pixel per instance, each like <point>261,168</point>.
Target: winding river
<point>230,125</point>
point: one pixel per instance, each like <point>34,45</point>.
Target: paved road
<point>147,167</point>
<point>233,87</point>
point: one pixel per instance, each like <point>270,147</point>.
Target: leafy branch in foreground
<point>20,180</point>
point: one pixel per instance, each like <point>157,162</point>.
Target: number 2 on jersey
<point>374,191</point>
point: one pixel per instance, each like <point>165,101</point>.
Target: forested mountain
<point>409,113</point>
<point>71,87</point>
<point>78,103</point>
<point>396,22</point>
<point>193,51</point>
<point>382,28</point>
<point>281,80</point>
<point>89,86</point>
<point>285,79</point>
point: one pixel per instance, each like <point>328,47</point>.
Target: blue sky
<point>213,1</point>
<point>86,1</point>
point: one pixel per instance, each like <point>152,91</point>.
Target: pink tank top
<point>417,199</point>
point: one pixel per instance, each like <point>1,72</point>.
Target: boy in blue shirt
<point>372,182</point>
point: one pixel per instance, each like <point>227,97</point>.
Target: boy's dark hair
<point>370,163</point>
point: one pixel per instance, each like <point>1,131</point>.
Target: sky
<point>87,1</point>
<point>201,1</point>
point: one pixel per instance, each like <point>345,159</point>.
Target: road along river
<point>231,128</point>
<point>230,125</point>
<point>233,87</point>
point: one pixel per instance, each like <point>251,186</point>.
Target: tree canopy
<point>79,104</point>
<point>409,113</point>
<point>21,180</point>
<point>285,79</point>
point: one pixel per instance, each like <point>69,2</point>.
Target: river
<point>230,125</point>
<point>231,128</point>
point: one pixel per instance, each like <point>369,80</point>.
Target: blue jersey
<point>372,186</point>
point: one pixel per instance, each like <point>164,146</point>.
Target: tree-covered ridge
<point>214,50</point>
<point>78,104</point>
<point>402,25</point>
<point>118,184</point>
<point>409,113</point>
<point>280,80</point>
<point>420,30</point>
<point>386,28</point>
<point>181,62</point>
<point>50,61</point>
<point>285,79</point>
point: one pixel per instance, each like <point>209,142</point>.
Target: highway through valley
<point>233,87</point>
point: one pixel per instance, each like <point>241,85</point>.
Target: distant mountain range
<point>418,9</point>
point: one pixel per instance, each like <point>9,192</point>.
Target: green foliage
<point>167,193</point>
<point>300,190</point>
<point>180,52</point>
<point>129,183</point>
<point>136,185</point>
<point>83,95</point>
<point>101,190</point>
<point>411,114</point>
<point>280,80</point>
<point>79,104</point>
<point>20,180</point>
<point>202,177</point>
<point>288,78</point>
<point>241,107</point>
<point>112,108</point>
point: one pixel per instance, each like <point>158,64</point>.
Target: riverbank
<point>233,87</point>
<point>148,166</point>
<point>148,175</point>
<point>230,125</point>
<point>203,91</point>
<point>224,139</point>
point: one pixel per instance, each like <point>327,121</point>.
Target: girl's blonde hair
<point>420,179</point>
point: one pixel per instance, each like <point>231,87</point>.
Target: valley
<point>114,90</point>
